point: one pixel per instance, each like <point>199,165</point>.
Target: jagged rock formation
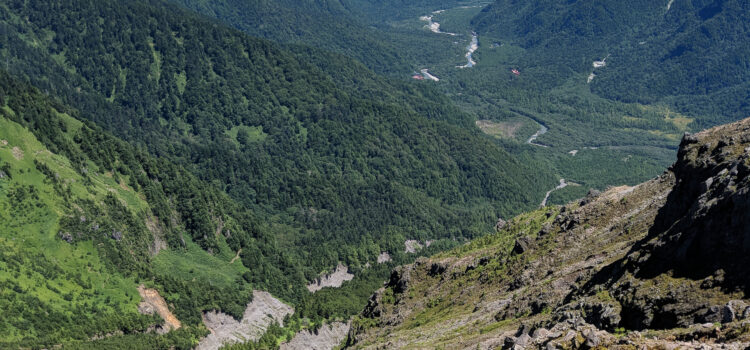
<point>260,313</point>
<point>660,265</point>
<point>325,338</point>
<point>334,279</point>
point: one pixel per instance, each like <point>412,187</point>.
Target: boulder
<point>516,343</point>
<point>689,138</point>
<point>712,315</point>
<point>591,339</point>
<point>116,235</point>
<point>522,245</point>
<point>500,224</point>
<point>65,236</point>
<point>590,196</point>
<point>733,311</point>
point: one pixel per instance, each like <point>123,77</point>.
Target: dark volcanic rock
<point>522,245</point>
<point>437,269</point>
<point>400,278</point>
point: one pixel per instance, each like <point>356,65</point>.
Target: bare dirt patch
<point>153,302</point>
<point>17,153</point>
<point>384,257</point>
<point>124,186</point>
<point>499,129</point>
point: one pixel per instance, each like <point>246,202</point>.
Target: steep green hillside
<point>85,218</point>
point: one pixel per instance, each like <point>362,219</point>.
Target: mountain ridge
<point>665,259</point>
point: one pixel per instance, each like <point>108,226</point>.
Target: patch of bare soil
<point>17,153</point>
<point>499,129</point>
<point>153,302</point>
<point>236,256</point>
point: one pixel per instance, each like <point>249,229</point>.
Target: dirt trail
<point>236,256</point>
<point>153,302</point>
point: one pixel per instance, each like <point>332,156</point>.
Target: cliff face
<point>661,264</point>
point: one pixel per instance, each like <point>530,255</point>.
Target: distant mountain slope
<point>691,54</point>
<point>359,29</point>
<point>323,24</point>
<point>85,218</point>
<point>659,265</point>
<point>337,176</point>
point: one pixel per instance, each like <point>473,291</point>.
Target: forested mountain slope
<point>342,176</point>
<point>85,218</point>
<point>358,29</point>
<point>689,54</point>
<point>323,24</point>
<point>659,265</point>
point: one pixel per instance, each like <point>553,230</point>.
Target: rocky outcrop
<point>259,314</point>
<point>669,257</point>
<point>500,224</point>
<point>334,279</point>
<point>412,246</point>
<point>384,257</point>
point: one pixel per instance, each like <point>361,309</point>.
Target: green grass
<point>195,264</point>
<point>61,276</point>
<point>255,133</point>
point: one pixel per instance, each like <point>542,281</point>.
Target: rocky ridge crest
<point>660,265</point>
